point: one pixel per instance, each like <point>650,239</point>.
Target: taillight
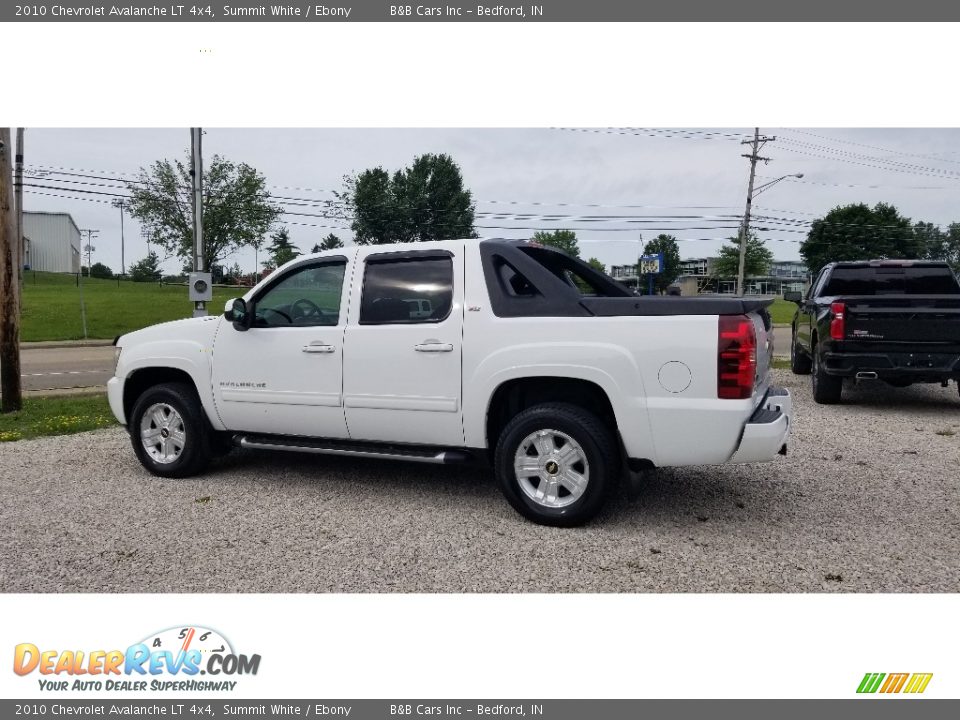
<point>736,357</point>
<point>838,329</point>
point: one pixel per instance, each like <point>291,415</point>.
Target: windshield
<point>892,280</point>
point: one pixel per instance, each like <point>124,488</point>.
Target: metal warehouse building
<point>52,242</point>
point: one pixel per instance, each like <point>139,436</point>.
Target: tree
<point>597,265</point>
<point>859,232</point>
<point>146,270</point>
<point>426,201</point>
<point>757,261</point>
<point>232,274</point>
<point>666,244</point>
<point>566,240</point>
<point>99,270</point>
<point>330,242</point>
<point>946,246</point>
<point>237,211</point>
<point>281,249</point>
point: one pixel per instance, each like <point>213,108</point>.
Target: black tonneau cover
<point>672,305</point>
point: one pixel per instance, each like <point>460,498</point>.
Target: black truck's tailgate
<point>926,319</point>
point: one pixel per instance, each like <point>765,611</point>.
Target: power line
<point>872,187</point>
<point>656,133</point>
<point>871,158</point>
<point>533,203</point>
<point>871,147</point>
<point>876,167</point>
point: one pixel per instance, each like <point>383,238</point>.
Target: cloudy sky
<point>613,186</point>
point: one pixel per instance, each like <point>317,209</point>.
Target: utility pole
<point>18,196</point>
<point>639,255</point>
<point>755,146</point>
<point>83,305</point>
<point>123,261</point>
<point>89,248</point>
<point>196,173</point>
<point>11,397</point>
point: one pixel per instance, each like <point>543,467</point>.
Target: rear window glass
<point>407,291</point>
<point>892,281</point>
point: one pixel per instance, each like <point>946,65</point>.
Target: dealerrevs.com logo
<point>172,659</point>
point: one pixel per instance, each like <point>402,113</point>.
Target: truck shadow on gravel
<point>370,474</point>
<point>701,496</point>
<point>669,497</point>
<point>922,399</point>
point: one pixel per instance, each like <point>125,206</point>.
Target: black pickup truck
<point>891,320</point>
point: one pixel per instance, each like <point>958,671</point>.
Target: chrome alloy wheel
<point>551,468</point>
<point>162,433</point>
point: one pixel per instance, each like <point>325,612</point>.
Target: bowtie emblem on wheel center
<point>164,432</point>
<point>552,467</point>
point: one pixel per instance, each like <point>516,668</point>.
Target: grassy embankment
<point>56,415</point>
<point>51,306</point>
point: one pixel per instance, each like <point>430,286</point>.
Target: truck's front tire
<point>169,433</point>
<point>827,389</point>
<point>800,362</point>
<point>556,464</point>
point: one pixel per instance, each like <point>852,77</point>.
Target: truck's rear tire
<point>800,362</point>
<point>557,464</point>
<point>170,435</point>
<point>827,389</point>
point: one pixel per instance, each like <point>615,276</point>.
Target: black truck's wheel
<point>800,362</point>
<point>556,464</point>
<point>169,433</point>
<point>827,389</point>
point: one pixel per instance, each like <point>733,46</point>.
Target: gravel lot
<point>867,501</point>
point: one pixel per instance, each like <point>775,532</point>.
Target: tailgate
<point>923,319</point>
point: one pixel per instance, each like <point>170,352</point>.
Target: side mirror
<point>237,313</point>
<point>793,297</point>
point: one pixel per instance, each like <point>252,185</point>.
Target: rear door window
<point>407,291</point>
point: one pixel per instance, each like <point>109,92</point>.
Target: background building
<point>697,277</point>
<point>52,242</point>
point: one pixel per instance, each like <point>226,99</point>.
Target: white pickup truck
<point>493,351</point>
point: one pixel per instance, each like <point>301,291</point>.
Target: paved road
<point>781,341</point>
<point>45,368</point>
<point>868,500</point>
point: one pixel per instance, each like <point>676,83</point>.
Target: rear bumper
<point>767,431</point>
<point>918,365</point>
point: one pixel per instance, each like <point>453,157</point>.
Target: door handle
<point>433,346</point>
<point>319,348</point>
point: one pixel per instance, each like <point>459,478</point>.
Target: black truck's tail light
<point>736,357</point>
<point>838,329</point>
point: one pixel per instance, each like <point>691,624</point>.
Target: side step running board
<point>389,452</point>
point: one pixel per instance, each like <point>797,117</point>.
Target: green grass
<point>56,415</point>
<point>782,311</point>
<point>51,306</point>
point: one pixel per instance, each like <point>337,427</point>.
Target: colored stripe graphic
<point>918,683</point>
<point>870,682</point>
<point>894,683</point>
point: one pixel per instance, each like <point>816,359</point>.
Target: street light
<point>770,184</point>
<point>745,226</point>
